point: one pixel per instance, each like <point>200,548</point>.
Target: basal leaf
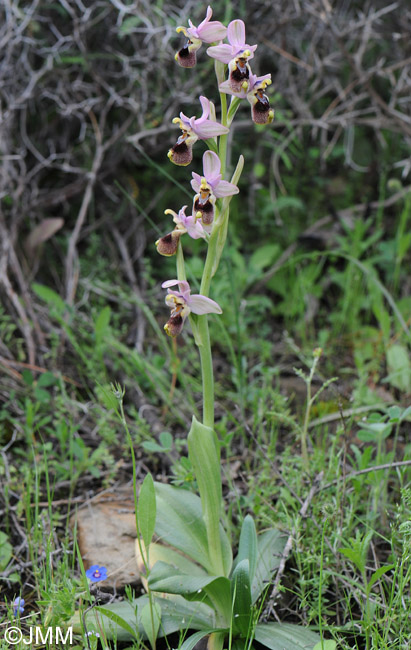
<point>285,636</point>
<point>176,614</point>
<point>241,597</point>
<point>270,545</point>
<point>180,523</point>
<point>213,590</point>
<point>247,548</point>
<point>190,643</point>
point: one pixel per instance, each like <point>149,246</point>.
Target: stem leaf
<point>147,510</point>
<point>205,458</point>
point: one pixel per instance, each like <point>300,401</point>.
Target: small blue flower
<point>96,573</point>
<point>18,606</point>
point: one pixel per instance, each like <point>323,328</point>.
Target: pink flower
<point>238,47</point>
<point>208,31</point>
<point>211,171</point>
<point>261,111</point>
<point>168,244</point>
<point>253,82</point>
<point>182,303</point>
<point>202,127</point>
<point>194,129</point>
<point>254,91</point>
<point>189,224</point>
<point>209,187</point>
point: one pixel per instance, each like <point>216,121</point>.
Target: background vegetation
<point>318,256</point>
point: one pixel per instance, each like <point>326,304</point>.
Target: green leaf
<point>166,440</point>
<point>205,457</point>
<point>406,414</point>
<point>118,620</point>
<point>247,549</point>
<point>374,431</point>
<point>212,590</point>
<point>41,394</point>
<point>377,575</point>
<point>47,379</point>
<point>259,170</point>
<point>325,645</point>
<point>27,377</point>
<point>179,522</point>
<point>241,596</point>
<point>152,447</point>
<point>264,256</point>
<point>50,297</point>
<point>270,546</point>
<point>150,620</point>
<point>160,553</point>
<point>287,202</point>
<point>146,510</point>
<point>129,24</point>
<point>6,551</point>
<point>190,643</point>
<point>399,367</point>
<point>176,614</point>
<point>285,636</point>
<point>101,325</point>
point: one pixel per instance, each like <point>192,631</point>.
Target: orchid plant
<point>192,581</point>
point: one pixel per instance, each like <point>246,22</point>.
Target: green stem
<point>220,69</point>
<point>207,373</point>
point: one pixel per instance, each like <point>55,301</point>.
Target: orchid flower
<point>194,129</point>
<point>236,54</point>
<point>182,303</point>
<point>168,244</point>
<point>261,112</point>
<point>253,82</point>
<point>210,187</point>
<point>208,31</point>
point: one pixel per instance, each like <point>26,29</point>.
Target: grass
<point>315,445</point>
<point>348,571</point>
